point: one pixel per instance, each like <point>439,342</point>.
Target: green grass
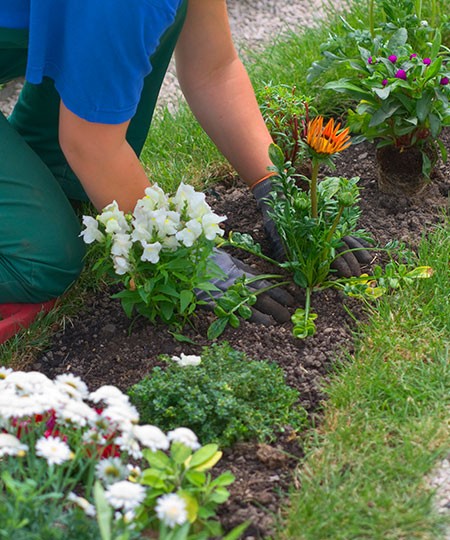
<point>385,421</point>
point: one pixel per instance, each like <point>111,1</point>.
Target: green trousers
<point>41,253</point>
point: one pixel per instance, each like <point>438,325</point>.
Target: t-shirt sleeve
<point>97,51</point>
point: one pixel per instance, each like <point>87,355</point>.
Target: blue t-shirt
<point>97,51</point>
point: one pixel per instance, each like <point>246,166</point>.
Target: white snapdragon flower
<point>91,232</point>
<point>197,206</point>
<point>210,224</point>
<point>121,265</point>
<point>183,195</point>
<point>151,252</point>
<point>187,360</point>
<point>170,243</point>
<point>54,450</point>
<point>141,231</point>
<point>185,436</point>
<point>11,446</point>
<point>190,233</point>
<point>169,225</point>
<point>121,245</point>
<point>125,494</point>
<point>151,437</point>
<point>113,219</point>
<point>171,509</point>
<point>154,198</point>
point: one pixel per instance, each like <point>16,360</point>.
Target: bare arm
<point>103,160</point>
<point>219,91</point>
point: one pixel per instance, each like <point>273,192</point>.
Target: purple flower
<point>370,60</point>
<point>384,82</point>
<point>392,58</point>
<point>401,74</point>
<point>427,61</point>
<point>413,55</point>
<point>444,81</point>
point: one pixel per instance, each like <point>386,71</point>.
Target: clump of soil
<point>102,346</point>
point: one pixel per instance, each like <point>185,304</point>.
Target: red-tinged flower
<point>326,140</point>
<point>401,74</point>
<point>444,81</point>
<point>392,58</point>
<point>54,433</point>
<point>427,61</point>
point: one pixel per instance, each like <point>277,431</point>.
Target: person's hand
<point>270,305</point>
<point>347,265</point>
<point>350,262</point>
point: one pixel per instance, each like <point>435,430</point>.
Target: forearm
<point>226,108</point>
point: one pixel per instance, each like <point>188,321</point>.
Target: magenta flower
<point>444,81</point>
<point>413,55</point>
<point>401,74</point>
<point>427,61</point>
<point>392,58</point>
<point>384,82</point>
<point>370,60</point>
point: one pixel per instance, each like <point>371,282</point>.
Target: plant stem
<point>335,224</point>
<point>313,188</point>
<point>371,19</point>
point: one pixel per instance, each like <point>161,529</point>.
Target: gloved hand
<point>270,305</point>
<point>347,265</point>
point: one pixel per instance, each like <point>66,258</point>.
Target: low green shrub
<point>226,398</point>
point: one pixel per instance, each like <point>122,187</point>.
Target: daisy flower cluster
<point>66,437</point>
<point>159,223</point>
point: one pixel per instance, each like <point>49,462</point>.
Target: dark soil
<point>101,346</point>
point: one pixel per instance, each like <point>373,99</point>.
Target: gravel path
<point>253,23</point>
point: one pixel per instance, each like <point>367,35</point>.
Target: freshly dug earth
<point>104,347</point>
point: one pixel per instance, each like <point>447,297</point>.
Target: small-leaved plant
<point>225,398</point>
<point>161,253</point>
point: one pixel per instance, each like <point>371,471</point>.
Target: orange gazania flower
<point>326,140</point>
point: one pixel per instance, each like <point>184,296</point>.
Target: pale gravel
<point>254,23</point>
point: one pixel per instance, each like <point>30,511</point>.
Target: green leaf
<point>423,106</point>
<point>397,40</point>
<point>186,297</point>
<point>179,452</point>
<point>435,124</point>
<point>383,114</point>
<point>220,495</point>
<point>203,454</point>
<point>245,312</point>
<point>104,511</point>
<point>153,478</point>
<point>346,87</point>
<point>383,93</point>
<point>225,479</point>
<point>443,149</point>
<point>158,459</point>
<point>433,69</point>
<point>237,532</point>
<point>216,328</point>
<point>196,478</point>
<point>436,45</point>
<point>276,156</point>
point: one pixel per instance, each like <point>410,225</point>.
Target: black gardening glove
<point>270,305</point>
<point>348,265</point>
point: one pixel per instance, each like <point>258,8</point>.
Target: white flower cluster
<point>52,419</point>
<point>158,223</point>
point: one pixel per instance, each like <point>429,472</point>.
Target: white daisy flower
<point>151,252</point>
<point>54,450</point>
<point>185,436</point>
<point>111,470</point>
<point>190,233</point>
<point>16,406</point>
<point>91,232</point>
<point>127,443</point>
<point>121,411</point>
<point>171,510</point>
<point>151,437</point>
<point>11,446</point>
<point>126,495</point>
<point>77,412</point>
<point>108,394</point>
<point>27,382</point>
<point>5,371</point>
<point>187,360</point>
<point>72,385</point>
<point>82,503</point>
<point>210,224</point>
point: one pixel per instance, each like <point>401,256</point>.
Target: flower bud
<point>413,55</point>
<point>346,199</point>
<point>427,61</point>
<point>444,81</point>
<point>392,58</point>
<point>401,74</point>
<point>384,82</point>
